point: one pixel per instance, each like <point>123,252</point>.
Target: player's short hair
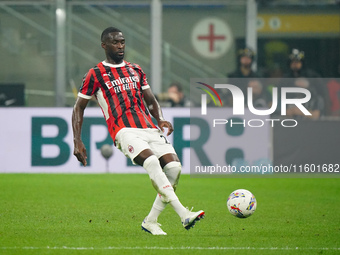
<point>107,31</point>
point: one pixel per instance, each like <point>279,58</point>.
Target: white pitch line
<point>168,248</point>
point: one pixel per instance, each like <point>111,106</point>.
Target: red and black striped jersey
<point>119,92</point>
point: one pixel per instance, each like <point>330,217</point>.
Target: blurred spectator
<point>174,97</point>
<point>240,77</point>
<point>315,105</point>
<point>245,60</point>
<point>261,97</point>
<point>298,68</point>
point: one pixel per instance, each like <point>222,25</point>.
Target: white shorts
<point>132,141</point>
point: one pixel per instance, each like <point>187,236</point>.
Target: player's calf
<point>159,179</point>
<point>172,171</point>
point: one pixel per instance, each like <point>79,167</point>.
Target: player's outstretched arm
<point>77,122</point>
<point>156,111</point>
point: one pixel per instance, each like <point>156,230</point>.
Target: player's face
<point>114,47</point>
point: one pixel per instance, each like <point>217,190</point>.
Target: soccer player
<point>121,88</point>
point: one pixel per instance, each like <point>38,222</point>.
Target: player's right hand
<point>165,124</point>
<point>80,152</point>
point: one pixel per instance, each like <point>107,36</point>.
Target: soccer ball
<point>241,203</point>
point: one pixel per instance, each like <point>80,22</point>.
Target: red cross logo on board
<point>211,37</point>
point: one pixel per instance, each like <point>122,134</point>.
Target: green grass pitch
<point>102,214</point>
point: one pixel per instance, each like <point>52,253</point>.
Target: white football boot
<point>152,227</point>
<point>190,218</point>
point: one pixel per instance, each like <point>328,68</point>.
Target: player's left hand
<point>165,124</point>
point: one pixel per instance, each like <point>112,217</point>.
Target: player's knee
<point>173,171</point>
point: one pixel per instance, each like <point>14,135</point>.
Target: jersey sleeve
<point>88,87</point>
<point>143,80</point>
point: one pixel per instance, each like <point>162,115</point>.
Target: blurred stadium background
<point>38,45</point>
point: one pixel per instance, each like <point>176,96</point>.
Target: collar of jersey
<point>113,65</point>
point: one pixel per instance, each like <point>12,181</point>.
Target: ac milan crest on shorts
<point>132,141</point>
<point>130,148</point>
